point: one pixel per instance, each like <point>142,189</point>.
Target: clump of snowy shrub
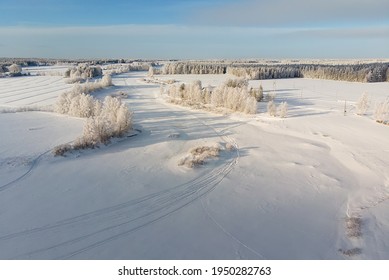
<point>281,110</point>
<point>270,96</point>
<point>140,66</point>
<point>353,227</point>
<point>236,83</point>
<point>230,147</point>
<point>15,70</point>
<point>198,156</point>
<point>257,93</point>
<point>271,108</point>
<point>381,113</point>
<point>111,118</point>
<point>115,69</point>
<point>74,80</point>
<point>60,150</point>
<point>351,252</point>
<point>78,102</point>
<point>233,95</point>
<point>106,81</point>
<point>363,104</point>
<point>151,72</point>
<point>83,71</point>
<point>107,119</point>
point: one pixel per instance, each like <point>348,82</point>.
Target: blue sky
<point>195,29</point>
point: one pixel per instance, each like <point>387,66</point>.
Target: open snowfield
<point>31,90</point>
<point>314,185</point>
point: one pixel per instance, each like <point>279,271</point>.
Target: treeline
<point>370,72</point>
<point>29,62</point>
<point>264,72</point>
<point>193,68</point>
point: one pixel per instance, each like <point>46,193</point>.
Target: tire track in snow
<point>108,210</point>
<point>9,91</point>
<point>35,95</point>
<point>21,177</point>
<point>130,216</point>
<point>213,219</point>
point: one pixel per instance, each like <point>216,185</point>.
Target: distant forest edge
<point>369,72</point>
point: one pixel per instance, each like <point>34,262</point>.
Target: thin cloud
<point>350,33</point>
<point>179,41</point>
<point>277,13</point>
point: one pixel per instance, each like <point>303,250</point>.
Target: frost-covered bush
<point>82,105</point>
<point>151,72</point>
<point>114,120</point>
<point>96,130</point>
<point>15,70</point>
<point>271,108</point>
<point>110,119</point>
<point>240,83</point>
<point>199,155</point>
<point>188,94</point>
<point>257,93</point>
<point>381,113</point>
<point>77,105</point>
<point>106,81</point>
<point>282,110</point>
<point>74,80</point>
<point>115,69</point>
<point>363,104</point>
<point>60,150</point>
<point>106,119</point>
<point>83,71</point>
<point>78,102</point>
<point>270,96</point>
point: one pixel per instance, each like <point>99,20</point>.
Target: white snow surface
<point>283,192</point>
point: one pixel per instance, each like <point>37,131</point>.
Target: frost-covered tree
<point>270,96</point>
<point>96,130</point>
<point>15,70</point>
<point>83,71</point>
<point>86,106</point>
<point>250,106</point>
<point>240,83</point>
<point>110,109</point>
<point>106,81</point>
<point>363,104</point>
<point>123,120</point>
<point>271,108</point>
<point>151,72</point>
<point>282,110</point>
<point>257,93</point>
<point>381,113</point>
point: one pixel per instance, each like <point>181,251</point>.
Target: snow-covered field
<point>31,90</point>
<point>312,186</point>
